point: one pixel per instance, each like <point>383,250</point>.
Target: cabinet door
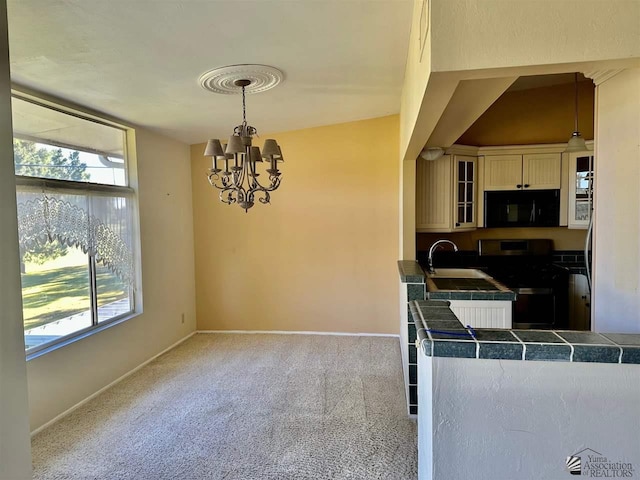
<point>464,192</point>
<point>433,195</point>
<point>580,189</point>
<point>541,171</point>
<point>579,303</point>
<point>502,172</point>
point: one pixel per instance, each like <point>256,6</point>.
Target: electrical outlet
<point>183,318</point>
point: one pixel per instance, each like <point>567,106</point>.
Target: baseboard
<point>289,332</point>
<point>103,389</point>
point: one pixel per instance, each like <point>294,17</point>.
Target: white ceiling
<point>139,60</point>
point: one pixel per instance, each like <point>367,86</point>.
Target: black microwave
<point>522,208</point>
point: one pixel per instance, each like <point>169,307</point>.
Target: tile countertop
<point>410,271</point>
<point>441,334</point>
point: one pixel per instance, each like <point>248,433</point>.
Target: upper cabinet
<point>446,194</point>
<point>529,171</point>
<point>580,188</point>
<point>464,192</point>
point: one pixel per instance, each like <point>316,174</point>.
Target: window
<point>76,222</point>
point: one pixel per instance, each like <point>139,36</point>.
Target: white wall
<point>616,298</point>
<point>509,419</point>
<point>15,447</point>
<point>62,378</point>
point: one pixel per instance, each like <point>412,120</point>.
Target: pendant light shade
<point>255,154</point>
<point>214,149</point>
<point>576,142</point>
<point>235,145</point>
<point>270,149</point>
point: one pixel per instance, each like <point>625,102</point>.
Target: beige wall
<point>416,75</point>
<point>617,205</point>
<point>535,116</point>
<point>563,238</point>
<point>64,377</point>
<point>479,34</point>
<point>322,256</point>
<point>15,447</point>
<point>416,78</point>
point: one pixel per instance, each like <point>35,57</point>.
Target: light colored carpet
<point>244,407</point>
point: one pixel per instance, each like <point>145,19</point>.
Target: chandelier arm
<point>243,173</point>
<point>275,182</point>
<point>266,196</point>
<point>231,195</point>
<point>213,178</point>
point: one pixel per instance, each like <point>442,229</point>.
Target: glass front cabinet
<point>580,188</point>
<point>465,203</point>
<point>446,194</point>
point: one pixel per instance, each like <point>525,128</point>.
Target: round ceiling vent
<point>227,80</point>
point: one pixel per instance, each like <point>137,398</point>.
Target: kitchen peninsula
<point>526,404</point>
<point>477,299</point>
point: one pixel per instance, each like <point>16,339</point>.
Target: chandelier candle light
<point>235,165</point>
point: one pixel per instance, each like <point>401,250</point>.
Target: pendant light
<point>576,142</point>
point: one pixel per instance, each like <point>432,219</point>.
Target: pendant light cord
<point>576,105</point>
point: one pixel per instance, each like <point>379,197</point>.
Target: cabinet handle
<point>457,224</point>
<point>519,186</point>
<point>526,185</point>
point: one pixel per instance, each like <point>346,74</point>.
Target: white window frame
<point>76,187</point>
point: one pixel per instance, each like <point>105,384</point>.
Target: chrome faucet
<point>433,247</point>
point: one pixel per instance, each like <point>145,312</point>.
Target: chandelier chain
<point>244,108</point>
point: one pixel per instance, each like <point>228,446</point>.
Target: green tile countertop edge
<point>470,295</point>
<point>410,271</point>
<point>441,334</point>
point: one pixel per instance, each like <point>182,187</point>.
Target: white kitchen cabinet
<point>446,194</point>
<point>483,313</point>
<point>529,171</point>
<point>581,168</point>
<point>579,303</point>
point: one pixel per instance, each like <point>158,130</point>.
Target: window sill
<point>73,338</point>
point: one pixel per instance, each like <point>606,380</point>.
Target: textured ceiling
<point>139,60</point>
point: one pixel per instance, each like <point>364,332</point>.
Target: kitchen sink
<point>464,284</point>
<point>462,280</point>
<point>458,273</point>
